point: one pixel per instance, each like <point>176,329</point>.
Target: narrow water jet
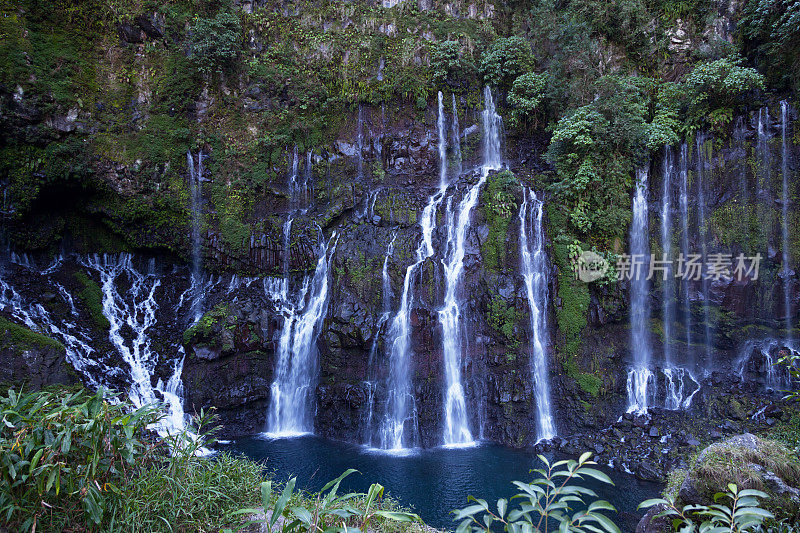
<point>196,207</point>
<point>787,272</point>
<point>668,279</point>
<point>703,234</point>
<point>456,132</point>
<point>640,376</point>
<point>684,210</point>
<point>533,262</point>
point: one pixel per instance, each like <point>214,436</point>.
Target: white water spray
<point>292,390</point>
<point>786,266</point>
<point>196,197</point>
<point>534,271</point>
<point>640,377</point>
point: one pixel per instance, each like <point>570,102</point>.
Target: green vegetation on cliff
<point>107,84</point>
<point>499,207</point>
<point>19,337</point>
<point>92,297</point>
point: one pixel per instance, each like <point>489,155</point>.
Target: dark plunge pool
<point>432,481</point>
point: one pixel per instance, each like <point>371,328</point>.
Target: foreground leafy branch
<point>552,500</point>
<point>327,512</point>
<point>743,514</point>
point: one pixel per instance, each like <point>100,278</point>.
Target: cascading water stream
<point>739,142</point>
<point>640,377</point>
<point>703,233</point>
<point>684,208</point>
<point>534,271</point>
<point>786,268</point>
<point>294,204</point>
<point>134,310</point>
<point>75,340</point>
<point>442,144</point>
<point>386,304</point>
<point>456,429</point>
<point>673,377</point>
<point>360,141</point>
<point>400,409</point>
<point>668,281</point>
<point>308,187</point>
<point>196,198</point>
<point>456,139</point>
<point>291,398</point>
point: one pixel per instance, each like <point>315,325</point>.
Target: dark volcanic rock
<point>31,358</point>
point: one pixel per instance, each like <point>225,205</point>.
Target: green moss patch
<point>21,338</point>
<point>206,324</point>
<point>92,297</point>
<point>499,206</point>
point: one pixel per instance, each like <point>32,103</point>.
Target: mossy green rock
<point>751,463</point>
<point>32,358</point>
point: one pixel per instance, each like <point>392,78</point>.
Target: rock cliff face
<point>110,178</point>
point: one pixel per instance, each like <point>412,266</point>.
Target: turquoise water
<point>432,481</point>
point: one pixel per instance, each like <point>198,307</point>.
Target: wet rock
<point>31,358</point>
<point>753,456</point>
<point>648,472</point>
<point>129,32</point>
<point>652,523</point>
<point>152,25</point>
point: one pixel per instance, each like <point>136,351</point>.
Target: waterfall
<point>684,206</point>
<point>308,182</point>
<point>292,390</point>
<point>386,304</point>
<point>456,430</point>
<point>400,409</point>
<point>196,205</point>
<point>75,340</point>
<point>294,202</point>
<point>677,395</point>
<point>674,382</point>
<point>787,271</point>
<point>776,377</point>
<point>360,141</point>
<point>456,139</point>
<point>386,300</point>
<point>666,248</point>
<point>400,404</point>
<point>740,143</point>
<point>534,267</point>
<point>492,130</point>
<point>703,232</point>
<point>640,376</point>
<point>680,385</point>
<point>442,144</point>
<point>294,187</point>
<point>129,304</point>
<point>287,244</point>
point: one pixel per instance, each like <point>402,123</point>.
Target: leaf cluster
<point>553,501</point>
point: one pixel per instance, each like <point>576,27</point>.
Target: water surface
<point>432,481</point>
